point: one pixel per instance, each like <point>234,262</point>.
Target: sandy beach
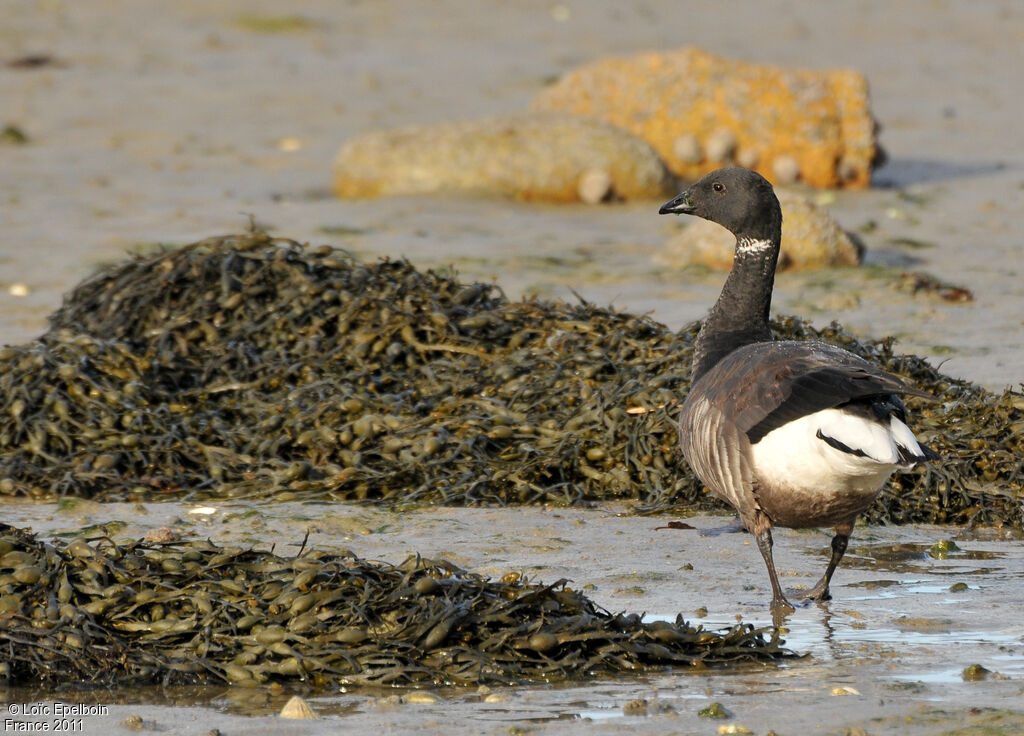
<point>150,123</point>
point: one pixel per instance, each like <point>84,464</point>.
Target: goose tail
<point>911,452</point>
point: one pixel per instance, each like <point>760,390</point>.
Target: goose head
<point>740,200</point>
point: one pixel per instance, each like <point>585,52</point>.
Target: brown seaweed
<point>251,366</point>
<point>101,612</point>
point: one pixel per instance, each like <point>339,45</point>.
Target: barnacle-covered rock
<point>811,238</point>
<point>701,111</point>
<point>534,156</point>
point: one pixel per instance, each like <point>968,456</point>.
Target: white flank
<point>793,455</point>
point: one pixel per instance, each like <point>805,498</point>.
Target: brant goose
<point>794,434</point>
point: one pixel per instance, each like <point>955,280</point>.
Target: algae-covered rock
<point>811,238</point>
<point>540,156</point>
<point>701,111</point>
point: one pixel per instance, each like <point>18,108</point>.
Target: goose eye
<point>718,186</point>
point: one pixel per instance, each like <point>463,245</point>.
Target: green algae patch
<point>942,549</point>
<point>715,710</point>
<point>273,24</point>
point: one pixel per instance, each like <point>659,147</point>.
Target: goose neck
<point>740,316</point>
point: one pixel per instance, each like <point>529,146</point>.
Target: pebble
<point>687,149</point>
<point>162,535</point>
<point>975,672</point>
<point>595,186</point>
<point>715,710</point>
<point>420,698</point>
<point>748,158</point>
<point>133,722</point>
<point>845,690</point>
<point>299,709</point>
<point>786,170</point>
<point>637,707</point>
<point>721,146</point>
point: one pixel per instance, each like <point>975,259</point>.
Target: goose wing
<point>765,385</point>
<point>758,388</point>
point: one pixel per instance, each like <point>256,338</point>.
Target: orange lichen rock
<point>811,238</point>
<point>701,111</point>
<point>551,157</point>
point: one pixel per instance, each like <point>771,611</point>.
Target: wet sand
<point>166,123</point>
<point>887,654</point>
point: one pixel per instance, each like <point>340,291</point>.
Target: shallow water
<point>892,644</point>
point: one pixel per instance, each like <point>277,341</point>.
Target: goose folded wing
<point>766,385</point>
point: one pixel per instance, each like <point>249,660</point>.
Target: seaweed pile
<point>251,366</point>
<point>95,611</point>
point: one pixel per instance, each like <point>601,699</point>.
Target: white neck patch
<point>752,246</point>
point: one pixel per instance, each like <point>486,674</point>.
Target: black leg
<point>779,602</point>
<point>820,591</point>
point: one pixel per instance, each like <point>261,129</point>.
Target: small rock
<point>595,186</point>
<point>734,728</point>
<point>975,672</point>
<point>637,707</point>
<point>13,135</point>
<point>289,144</point>
<point>748,158</point>
<point>420,698</point>
<point>721,145</point>
<point>134,722</point>
<point>687,149</point>
<point>845,690</point>
<point>561,12</point>
<point>163,534</point>
<point>786,170</point>
<point>847,170</point>
<point>298,708</point>
<point>715,710</point>
<point>388,702</point>
<point>941,549</point>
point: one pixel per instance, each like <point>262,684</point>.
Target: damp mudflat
<point>169,122</point>
<point>923,635</point>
